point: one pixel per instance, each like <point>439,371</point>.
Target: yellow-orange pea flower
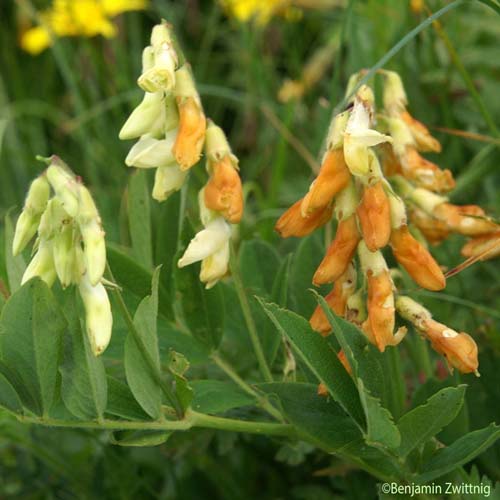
<point>416,259</point>
<point>375,217</point>
<point>223,191</point>
<point>192,122</point>
<point>69,18</point>
<point>339,253</point>
<point>488,247</point>
<point>332,178</point>
<point>292,223</point>
<point>336,299</point>
<point>469,220</point>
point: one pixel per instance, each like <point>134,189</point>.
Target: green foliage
<point>136,422</point>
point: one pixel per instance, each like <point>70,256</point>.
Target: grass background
<point>73,99</point>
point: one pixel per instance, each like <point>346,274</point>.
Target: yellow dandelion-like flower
<point>76,18</point>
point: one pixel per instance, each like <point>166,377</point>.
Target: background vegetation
<point>73,99</point>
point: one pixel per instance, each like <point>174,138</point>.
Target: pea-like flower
<point>70,244</point>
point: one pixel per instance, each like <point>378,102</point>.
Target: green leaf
<point>139,438</point>
<point>257,263</point>
<point>28,400</point>
<point>304,263</point>
<point>139,216</point>
<point>319,357</point>
<point>463,450</point>
<point>15,265</point>
<point>32,326</point>
<point>178,365</point>
<point>381,430</point>
<point>121,401</point>
<point>425,421</point>
<point>365,365</point>
<point>216,396</point>
<point>136,279</point>
<point>271,338</point>
<point>203,310</point>
<point>320,419</point>
<point>8,396</point>
<point>141,381</point>
<point>83,386</point>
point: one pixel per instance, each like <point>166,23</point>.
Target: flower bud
<point>64,255</point>
<point>291,223</point>
<point>425,173</point>
<point>189,141</point>
<point>53,219</point>
<point>223,192</point>
<point>34,205</point>
<point>41,265</point>
<point>65,185</point>
<point>94,246</point>
<point>98,317</point>
<point>375,217</point>
<point>215,266</point>
<point>484,247</point>
<point>469,220</point>
<point>168,180</point>
<point>395,100</point>
<point>339,253</point>
<point>149,152</point>
<point>423,139</point>
<point>147,118</point>
<point>332,178</point>
<point>336,299</point>
<point>161,76</point>
<point>416,259</point>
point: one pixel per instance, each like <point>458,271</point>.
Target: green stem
<point>191,419</point>
<point>142,348</point>
<point>247,313</point>
<point>231,373</point>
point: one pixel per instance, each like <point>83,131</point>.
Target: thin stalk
<point>231,373</point>
<point>142,348</point>
<point>192,419</point>
<point>247,313</point>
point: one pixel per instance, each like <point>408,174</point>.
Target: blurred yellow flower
<point>259,10</point>
<point>76,18</point>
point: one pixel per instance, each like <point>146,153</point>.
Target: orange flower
<point>459,349</point>
<point>469,220</point>
<point>291,223</point>
<point>192,125</point>
<point>332,178</point>
<point>379,327</point>
<point>424,140</point>
<point>339,253</point>
<point>425,173</point>
<point>433,229</point>
<point>337,300</point>
<point>375,217</point>
<point>415,258</point>
<point>487,246</point>
<point>223,191</point>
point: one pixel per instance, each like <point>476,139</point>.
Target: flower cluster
<point>169,122</point>
<point>70,244</point>
<point>76,18</point>
<point>173,131</point>
<point>359,184</point>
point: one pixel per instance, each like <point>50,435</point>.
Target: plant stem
<point>191,419</point>
<point>142,348</point>
<point>247,313</point>
<point>231,373</point>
